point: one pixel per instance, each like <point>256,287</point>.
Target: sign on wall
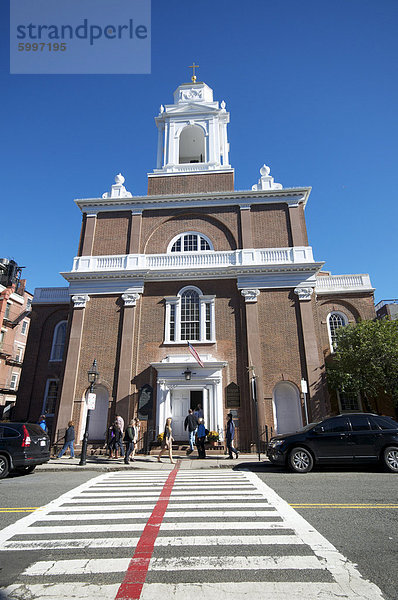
<point>232,396</point>
<point>91,401</point>
<point>145,403</point>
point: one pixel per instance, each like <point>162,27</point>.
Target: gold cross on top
<point>193,78</point>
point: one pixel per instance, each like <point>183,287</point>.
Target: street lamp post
<point>92,378</point>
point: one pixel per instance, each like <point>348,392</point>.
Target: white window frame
<point>7,310</point>
<point>48,382</point>
<point>24,331</point>
<point>345,319</point>
<point>14,382</point>
<point>19,353</point>
<point>182,235</point>
<point>203,301</point>
<point>54,356</point>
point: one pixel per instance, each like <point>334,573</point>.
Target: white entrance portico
<point>174,392</point>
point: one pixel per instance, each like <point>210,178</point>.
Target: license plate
<point>42,443</point>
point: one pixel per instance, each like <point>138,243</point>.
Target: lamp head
<point>92,373</point>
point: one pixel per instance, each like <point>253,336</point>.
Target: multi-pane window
<point>336,320</point>
<point>208,321</point>
<point>190,242</point>
<point>190,320</point>
<point>24,327</point>
<point>50,398</point>
<point>349,402</point>
<point>172,322</point>
<point>57,350</point>
<point>189,317</point>
<point>19,354</point>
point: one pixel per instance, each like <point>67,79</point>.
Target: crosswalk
<point>216,535</point>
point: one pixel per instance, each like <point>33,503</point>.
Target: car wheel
<point>26,470</point>
<point>4,467</point>
<point>390,458</point>
<point>300,460</point>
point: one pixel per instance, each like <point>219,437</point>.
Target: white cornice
<point>290,196</point>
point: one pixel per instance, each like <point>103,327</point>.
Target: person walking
<point>136,436</point>
<point>116,440</point>
<point>129,437</point>
<point>191,422</point>
<point>69,439</point>
<point>230,437</point>
<point>167,442</point>
<point>201,438</point>
<point>120,421</point>
<point>198,412</point>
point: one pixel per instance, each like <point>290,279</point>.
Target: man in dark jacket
<point>191,422</point>
<point>69,439</point>
<point>230,436</point>
<point>129,437</point>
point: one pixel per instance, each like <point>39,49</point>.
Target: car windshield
<point>308,427</point>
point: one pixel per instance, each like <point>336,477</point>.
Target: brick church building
<point>195,260</point>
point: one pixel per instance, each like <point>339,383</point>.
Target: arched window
<point>192,145</point>
<point>59,337</point>
<point>335,321</point>
<point>189,317</point>
<point>190,241</point>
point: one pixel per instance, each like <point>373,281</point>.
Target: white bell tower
<point>192,133</point>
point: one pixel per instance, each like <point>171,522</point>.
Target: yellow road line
<point>22,509</point>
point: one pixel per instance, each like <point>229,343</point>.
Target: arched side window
<point>59,337</point>
<point>192,145</point>
<point>335,320</point>
<point>190,241</point>
<point>189,317</point>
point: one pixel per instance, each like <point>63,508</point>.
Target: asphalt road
<point>368,534</point>
<point>21,492</point>
<point>355,510</point>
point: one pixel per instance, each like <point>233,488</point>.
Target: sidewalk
<point>149,462</point>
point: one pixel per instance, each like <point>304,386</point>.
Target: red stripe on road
<point>137,570</point>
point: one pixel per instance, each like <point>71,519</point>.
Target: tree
<point>366,360</point>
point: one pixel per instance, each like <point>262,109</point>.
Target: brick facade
<point>186,184</point>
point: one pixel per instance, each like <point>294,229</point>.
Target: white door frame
<point>207,378</point>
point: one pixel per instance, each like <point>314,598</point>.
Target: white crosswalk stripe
<point>224,536</point>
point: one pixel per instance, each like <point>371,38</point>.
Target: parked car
<point>23,446</point>
<point>348,438</point>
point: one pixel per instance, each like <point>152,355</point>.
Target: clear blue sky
<point>312,91</point>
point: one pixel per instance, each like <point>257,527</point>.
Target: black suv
<point>348,438</point>
<point>22,447</point>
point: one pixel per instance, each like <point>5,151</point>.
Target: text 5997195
<point>42,47</point>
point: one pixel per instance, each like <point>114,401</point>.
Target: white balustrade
<point>335,283</point>
<point>204,259</point>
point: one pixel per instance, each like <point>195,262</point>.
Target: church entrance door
<point>99,416</point>
<point>179,410</point>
